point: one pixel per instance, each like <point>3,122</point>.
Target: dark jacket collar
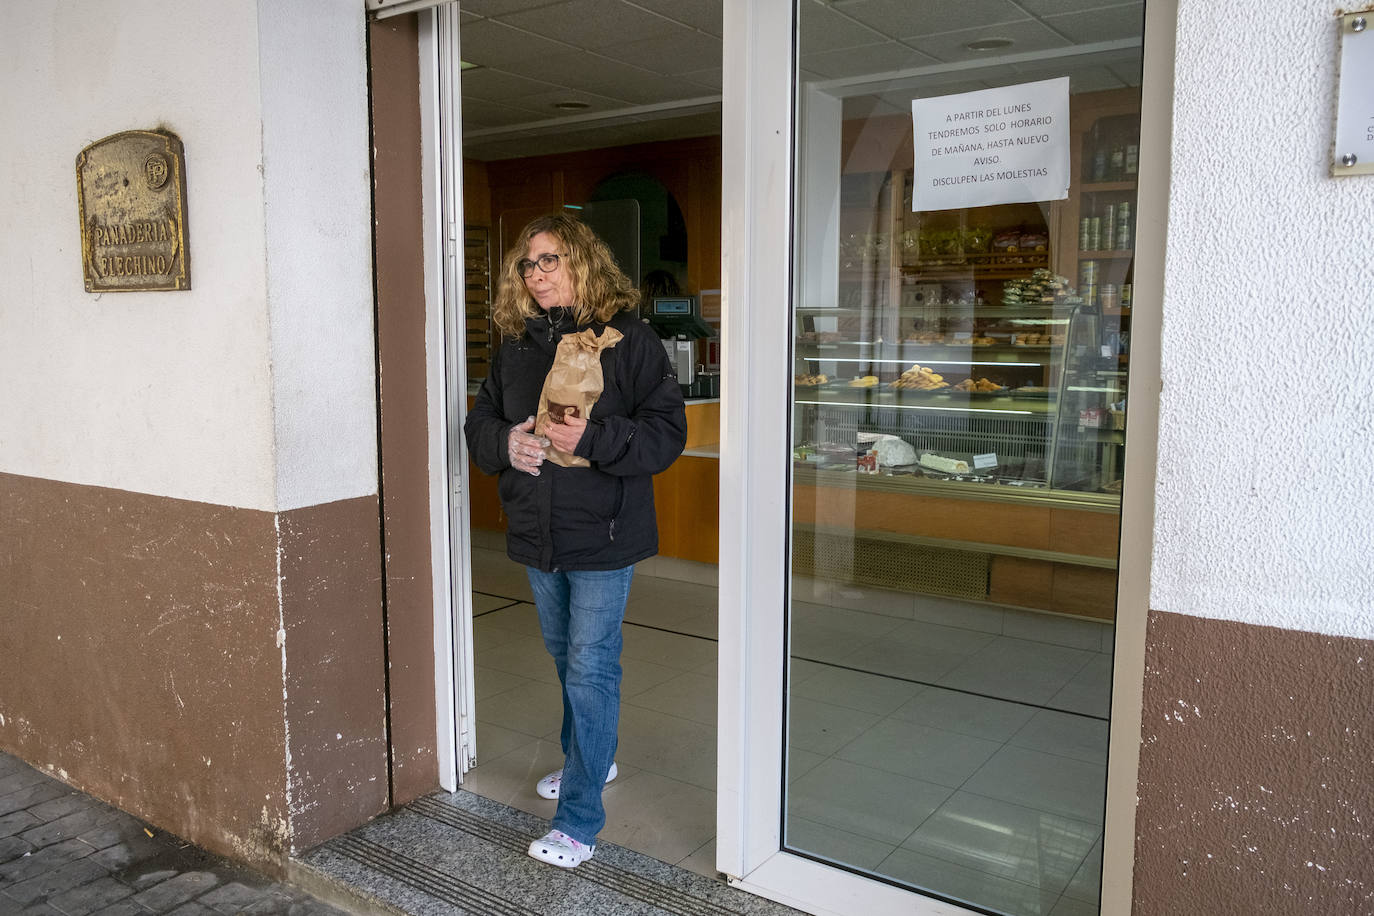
<point>546,329</point>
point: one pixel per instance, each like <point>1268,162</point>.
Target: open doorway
<point>591,106</point>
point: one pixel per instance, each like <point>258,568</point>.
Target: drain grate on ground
<point>608,876</point>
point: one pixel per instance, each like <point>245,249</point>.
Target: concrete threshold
<point>459,853</point>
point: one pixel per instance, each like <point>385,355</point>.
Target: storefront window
<point>961,302</point>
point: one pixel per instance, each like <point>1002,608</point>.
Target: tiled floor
<point>967,759</point>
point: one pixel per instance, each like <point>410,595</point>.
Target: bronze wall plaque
<point>131,188</point>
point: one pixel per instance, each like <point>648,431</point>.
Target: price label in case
<point>983,462</point>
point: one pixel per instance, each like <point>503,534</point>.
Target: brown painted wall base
<point>153,657</point>
<point>1255,771</point>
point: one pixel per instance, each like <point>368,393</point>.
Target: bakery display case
<point>960,384</point>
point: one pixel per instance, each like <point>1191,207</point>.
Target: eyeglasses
<point>546,262</point>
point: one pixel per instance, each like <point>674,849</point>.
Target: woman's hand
<point>526,450</point>
<point>567,434</point>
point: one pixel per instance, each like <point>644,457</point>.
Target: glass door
<point>960,326</point>
<point>946,477</point>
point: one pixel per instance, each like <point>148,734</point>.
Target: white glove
<point>525,450</point>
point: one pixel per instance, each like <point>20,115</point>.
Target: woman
<point>578,530</point>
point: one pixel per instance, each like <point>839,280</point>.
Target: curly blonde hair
<point>600,288</point>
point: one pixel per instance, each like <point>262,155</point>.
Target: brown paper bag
<point>573,385</point>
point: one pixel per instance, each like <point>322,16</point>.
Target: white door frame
<point>446,384</point>
<point>757,230</point>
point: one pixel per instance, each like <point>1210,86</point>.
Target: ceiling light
<point>989,44</point>
<point>571,105</point>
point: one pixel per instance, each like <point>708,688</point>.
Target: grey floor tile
<point>11,847</point>
<point>233,896</point>
<point>22,779</point>
<point>687,696</point>
<point>44,860</point>
<point>524,656</point>
<point>125,907</point>
<point>1090,691</point>
<point>706,626</point>
<point>176,890</point>
<point>686,653</point>
<point>824,728</point>
<point>1065,734</point>
<point>658,816</point>
<point>661,602</point>
<point>491,681</point>
<point>61,807</point>
<point>669,746</point>
<point>1061,785</point>
<point>966,713</point>
<point>1031,847</point>
<point>493,741</point>
<point>951,612</point>
<point>871,693</point>
<point>702,861</point>
<point>483,604</point>
<point>1087,881</point>
<point>1018,669</point>
<point>135,848</point>
<point>488,636</point>
<point>929,754</point>
<point>968,885</point>
<point>32,794</point>
<point>534,708</point>
<point>16,822</point>
<point>55,881</point>
<point>91,897</point>
<point>800,762</point>
<point>857,799</point>
<point>637,676</point>
<point>1074,632</point>
<point>955,640</point>
<point>71,825</point>
<point>1068,906</point>
<point>520,617</point>
<point>191,908</point>
<point>902,660</point>
<point>837,845</point>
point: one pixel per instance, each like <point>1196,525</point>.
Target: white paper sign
<point>983,462</point>
<point>993,146</point>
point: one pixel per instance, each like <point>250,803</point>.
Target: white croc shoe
<point>548,786</point>
<point>557,848</point>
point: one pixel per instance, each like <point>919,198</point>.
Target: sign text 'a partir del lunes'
<point>992,146</point>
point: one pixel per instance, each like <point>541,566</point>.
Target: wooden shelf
<point>1093,187</point>
<point>1001,265</point>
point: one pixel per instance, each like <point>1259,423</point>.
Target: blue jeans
<point>580,613</point>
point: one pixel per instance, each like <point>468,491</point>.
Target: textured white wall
<point>1265,494</point>
<point>165,393</point>
<point>316,145</point>
<point>254,388</point>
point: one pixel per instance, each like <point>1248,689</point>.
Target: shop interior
<point>950,622</point>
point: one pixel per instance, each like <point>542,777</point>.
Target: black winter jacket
<point>599,517</point>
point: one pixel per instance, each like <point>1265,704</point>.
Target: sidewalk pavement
<point>64,853</point>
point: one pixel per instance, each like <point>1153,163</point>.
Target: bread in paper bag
<point>573,385</point>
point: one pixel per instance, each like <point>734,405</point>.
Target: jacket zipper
<point>619,504</point>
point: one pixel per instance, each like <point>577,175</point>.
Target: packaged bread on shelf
<point>944,465</point>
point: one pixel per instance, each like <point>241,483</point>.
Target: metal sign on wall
<point>131,188</point>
